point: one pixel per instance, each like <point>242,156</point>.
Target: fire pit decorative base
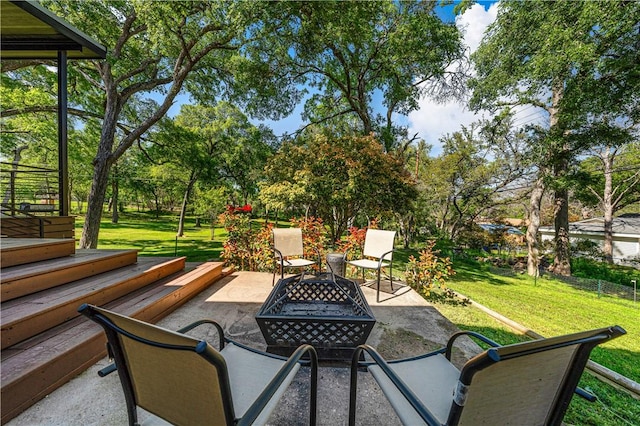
<point>326,311</point>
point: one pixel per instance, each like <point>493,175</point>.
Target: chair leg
<point>378,292</point>
<point>391,275</point>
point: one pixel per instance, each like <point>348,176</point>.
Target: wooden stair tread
<point>68,349</point>
<point>81,257</point>
<point>20,251</point>
<point>26,316</point>
<point>18,281</point>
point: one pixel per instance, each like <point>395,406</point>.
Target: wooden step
<point>34,368</point>
<point>20,251</point>
<point>27,316</point>
<point>18,281</point>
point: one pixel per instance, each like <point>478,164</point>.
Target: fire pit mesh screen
<point>325,311</point>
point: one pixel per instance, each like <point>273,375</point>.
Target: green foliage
<point>429,273</point>
<point>246,249</point>
<point>593,269</point>
<point>348,51</point>
<point>337,179</point>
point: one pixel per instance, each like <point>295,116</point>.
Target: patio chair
<point>288,249</point>
<point>186,381</point>
<point>378,244</point>
<point>527,383</point>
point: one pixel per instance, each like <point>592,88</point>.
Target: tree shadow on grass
<point>467,271</point>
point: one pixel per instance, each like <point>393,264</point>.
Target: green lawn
<point>153,236</point>
<point>550,307</point>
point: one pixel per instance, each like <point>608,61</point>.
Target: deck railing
<point>28,190</point>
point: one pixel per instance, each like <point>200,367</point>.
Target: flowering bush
<point>428,273</point>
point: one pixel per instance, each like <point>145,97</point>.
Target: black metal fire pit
<point>326,311</point>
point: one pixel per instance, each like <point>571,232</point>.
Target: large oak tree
<point>546,54</point>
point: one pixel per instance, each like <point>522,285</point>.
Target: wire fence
<point>602,287</point>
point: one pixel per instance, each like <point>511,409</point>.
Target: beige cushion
<point>367,263</point>
<point>249,374</point>
<point>432,379</point>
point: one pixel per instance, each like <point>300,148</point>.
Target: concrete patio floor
<point>406,325</point>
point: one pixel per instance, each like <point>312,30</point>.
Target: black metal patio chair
<point>528,383</point>
<point>186,381</point>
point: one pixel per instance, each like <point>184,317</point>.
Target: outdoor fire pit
<point>326,311</point>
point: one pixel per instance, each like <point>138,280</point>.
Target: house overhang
<point>29,31</point>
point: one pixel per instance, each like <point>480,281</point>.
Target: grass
<point>550,307</point>
<point>153,236</point>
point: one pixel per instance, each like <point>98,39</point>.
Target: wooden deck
<point>44,341</point>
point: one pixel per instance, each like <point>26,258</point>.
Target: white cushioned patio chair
<point>186,381</point>
<point>528,383</point>
<point>289,251</point>
<point>377,254</point>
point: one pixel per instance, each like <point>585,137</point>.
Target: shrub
<point>246,249</point>
<point>249,249</point>
<point>428,274</point>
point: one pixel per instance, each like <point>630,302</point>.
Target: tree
<point>212,144</point>
<point>337,179</point>
<point>152,49</point>
<point>538,54</point>
<point>476,172</point>
<point>611,180</point>
<point>344,53</point>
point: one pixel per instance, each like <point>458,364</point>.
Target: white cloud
<point>433,120</point>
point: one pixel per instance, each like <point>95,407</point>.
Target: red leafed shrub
<point>246,249</point>
<point>251,249</point>
<point>353,244</point>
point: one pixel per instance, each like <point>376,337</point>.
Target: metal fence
<point>28,189</point>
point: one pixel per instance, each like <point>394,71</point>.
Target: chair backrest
<point>172,375</point>
<point>529,383</point>
<point>378,242</point>
<point>288,241</point>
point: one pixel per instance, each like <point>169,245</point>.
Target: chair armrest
<point>382,258</point>
<point>470,334</point>
<point>254,411</point>
<point>219,329</point>
<point>422,411</point>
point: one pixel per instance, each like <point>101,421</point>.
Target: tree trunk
<point>607,204</point>
<point>115,214</point>
<point>185,202</point>
<point>101,166</point>
<point>95,202</point>
<point>533,252</point>
<point>561,261</point>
